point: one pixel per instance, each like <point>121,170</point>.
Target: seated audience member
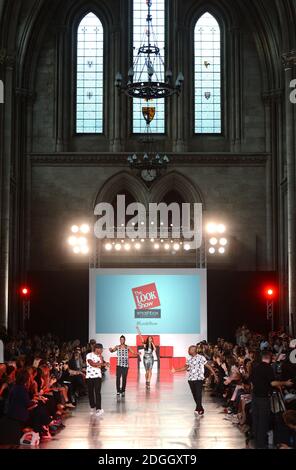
<point>285,430</point>
<point>6,383</point>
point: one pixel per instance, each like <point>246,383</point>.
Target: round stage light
<point>186,247</point>
<point>156,246</point>
<point>85,228</point>
<point>118,247</point>
<point>25,291</point>
<point>77,250</point>
<point>176,247</point>
<point>167,247</point>
<point>212,251</point>
<point>223,241</point>
<point>85,250</point>
<point>221,228</point>
<point>212,228</point>
<point>72,241</point>
<point>213,241</point>
<point>152,240</point>
<point>122,241</point>
<point>82,241</point>
<point>270,293</point>
<point>108,247</point>
<point>221,251</point>
<point>142,241</point>
<point>127,247</point>
<point>74,229</point>
<point>161,241</point>
<point>138,246</point>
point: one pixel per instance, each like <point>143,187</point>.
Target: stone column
<point>9,63</point>
<point>289,60</point>
<point>179,144</point>
<point>236,91</point>
<point>116,145</point>
<point>60,93</point>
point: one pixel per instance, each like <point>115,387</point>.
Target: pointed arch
<point>89,75</point>
<point>207,75</point>
<point>175,181</point>
<point>122,181</point>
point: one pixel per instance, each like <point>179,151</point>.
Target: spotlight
<point>85,228</point>
<point>118,247</point>
<point>212,228</point>
<point>221,228</point>
<point>138,246</point>
<point>167,247</point>
<point>142,241</point>
<point>176,247</point>
<point>85,250</point>
<point>77,250</point>
<point>152,240</point>
<point>270,293</point>
<point>186,247</point>
<point>223,241</point>
<point>108,247</point>
<point>72,241</point>
<point>127,247</point>
<point>82,241</point>
<point>25,292</point>
<point>75,229</point>
<point>212,251</point>
<point>222,250</point>
<point>156,246</point>
<point>213,241</point>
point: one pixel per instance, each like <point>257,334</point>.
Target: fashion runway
<point>162,418</point>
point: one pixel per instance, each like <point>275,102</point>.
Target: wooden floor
<point>161,418</point>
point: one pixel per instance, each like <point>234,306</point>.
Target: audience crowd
<point>42,380</point>
<point>256,385</point>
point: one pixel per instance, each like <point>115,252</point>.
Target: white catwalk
<point>162,418</point>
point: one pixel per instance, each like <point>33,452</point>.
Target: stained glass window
<point>207,75</point>
<point>90,65</point>
<point>139,38</point>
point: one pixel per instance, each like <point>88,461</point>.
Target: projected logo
<point>147,299</point>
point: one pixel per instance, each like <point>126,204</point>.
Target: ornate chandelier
<point>144,78</point>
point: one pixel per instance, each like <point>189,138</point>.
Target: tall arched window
<point>139,27</point>
<point>89,78</point>
<point>207,75</point>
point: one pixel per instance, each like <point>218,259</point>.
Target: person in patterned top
<point>95,362</point>
<point>195,367</point>
<point>122,365</point>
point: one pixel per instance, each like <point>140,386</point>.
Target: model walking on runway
<point>95,363</point>
<point>149,349</point>
<point>195,367</point>
<point>122,365</point>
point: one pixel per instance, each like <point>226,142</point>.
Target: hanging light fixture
<point>145,82</point>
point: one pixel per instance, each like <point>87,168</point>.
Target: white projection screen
<point>171,303</point>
